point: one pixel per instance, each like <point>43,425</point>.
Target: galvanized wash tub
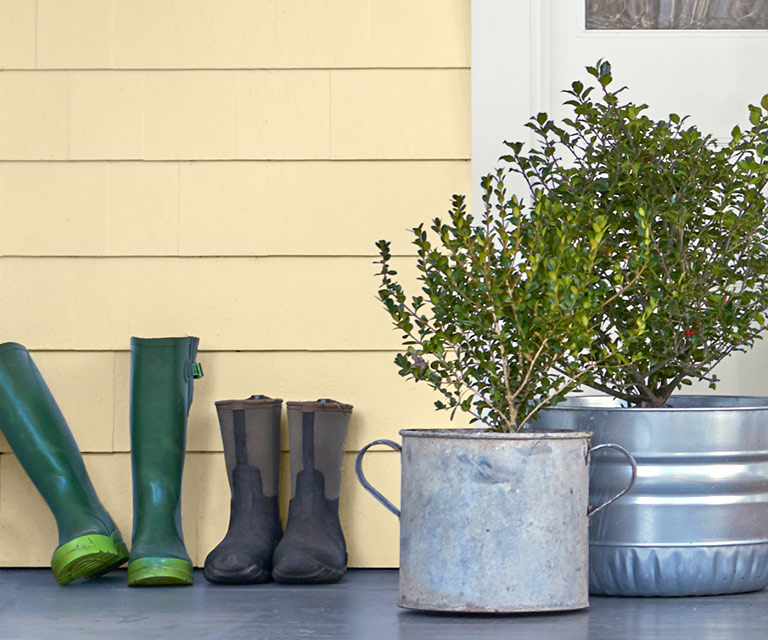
<point>696,522</point>
<point>491,522</point>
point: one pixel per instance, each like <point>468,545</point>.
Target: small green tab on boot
<point>147,572</point>
<point>88,556</point>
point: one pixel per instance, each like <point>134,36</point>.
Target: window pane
<point>677,14</point>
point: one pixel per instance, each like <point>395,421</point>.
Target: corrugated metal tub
<point>696,521</point>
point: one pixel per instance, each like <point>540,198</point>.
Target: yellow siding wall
<point>220,168</point>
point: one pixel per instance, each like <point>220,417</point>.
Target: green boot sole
<point>88,556</point>
<point>148,572</point>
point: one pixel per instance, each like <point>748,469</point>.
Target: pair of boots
<point>162,373</point>
<point>255,549</point>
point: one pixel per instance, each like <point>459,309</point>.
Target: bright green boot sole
<point>148,572</point>
<point>88,556</point>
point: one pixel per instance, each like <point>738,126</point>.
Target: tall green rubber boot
<point>162,374</point>
<point>89,543</point>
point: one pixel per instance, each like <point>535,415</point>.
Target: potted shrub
<point>696,523</point>
<point>495,520</point>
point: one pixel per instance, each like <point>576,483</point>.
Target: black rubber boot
<point>250,431</point>
<point>313,548</point>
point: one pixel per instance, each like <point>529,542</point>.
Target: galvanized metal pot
<point>492,522</point>
<point>696,522</point>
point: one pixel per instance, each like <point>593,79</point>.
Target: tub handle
<point>593,510</point>
<point>367,485</point>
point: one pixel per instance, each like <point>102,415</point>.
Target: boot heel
<point>146,572</point>
<point>122,555</point>
<point>88,556</point>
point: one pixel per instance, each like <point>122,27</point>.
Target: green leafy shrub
<point>509,308</point>
<point>706,282</point>
<point>637,263</point>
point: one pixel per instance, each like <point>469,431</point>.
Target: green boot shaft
<point>89,543</point>
<point>162,373</point>
<point>40,437</point>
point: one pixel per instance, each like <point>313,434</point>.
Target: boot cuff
<point>163,342</point>
<point>254,402</point>
<point>324,404</point>
<point>12,346</point>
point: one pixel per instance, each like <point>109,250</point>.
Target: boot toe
<point>300,566</point>
<point>157,571</point>
<point>236,566</point>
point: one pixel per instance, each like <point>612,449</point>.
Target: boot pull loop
<point>367,485</point>
<point>194,370</point>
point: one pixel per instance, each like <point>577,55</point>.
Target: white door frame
<point>512,68</point>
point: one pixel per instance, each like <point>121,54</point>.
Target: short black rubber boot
<point>162,375</point>
<point>312,549</point>
<point>250,432</point>
<point>89,543</point>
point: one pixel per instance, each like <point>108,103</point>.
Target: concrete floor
<point>360,607</point>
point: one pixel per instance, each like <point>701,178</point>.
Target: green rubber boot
<point>162,374</point>
<point>89,543</point>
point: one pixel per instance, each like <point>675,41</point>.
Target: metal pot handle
<point>593,510</point>
<point>367,485</point>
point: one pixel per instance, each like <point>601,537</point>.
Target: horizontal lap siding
<point>235,34</point>
<point>220,208</point>
<point>287,303</point>
<point>221,169</point>
<point>92,390</point>
<point>226,115</point>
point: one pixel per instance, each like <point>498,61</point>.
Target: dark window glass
<point>677,14</point>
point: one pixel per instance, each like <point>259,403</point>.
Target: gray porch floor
<point>361,606</point>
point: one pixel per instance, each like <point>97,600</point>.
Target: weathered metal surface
<point>492,523</point>
<point>696,522</point>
